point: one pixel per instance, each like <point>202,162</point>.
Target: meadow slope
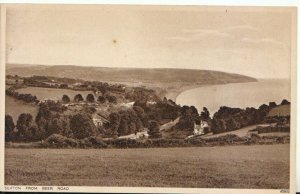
<point>257,166</point>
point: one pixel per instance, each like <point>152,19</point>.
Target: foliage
<point>285,102</point>
<point>101,99</point>
<point>82,125</point>
<point>24,97</point>
<point>228,119</point>
<point>90,98</point>
<point>111,98</point>
<point>78,98</point>
<point>9,128</point>
<point>25,127</point>
<point>204,115</point>
<point>65,99</point>
<point>153,130</point>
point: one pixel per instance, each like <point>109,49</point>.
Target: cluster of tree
<point>47,123</point>
<point>228,119</point>
<point>26,129</point>
<point>55,106</point>
<point>127,121</point>
<point>104,87</point>
<point>189,116</point>
<point>161,110</point>
<point>142,95</point>
<point>44,81</point>
<point>24,97</point>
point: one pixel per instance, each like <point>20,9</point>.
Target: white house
<point>199,129</point>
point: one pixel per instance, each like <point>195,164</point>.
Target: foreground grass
<point>257,166</point>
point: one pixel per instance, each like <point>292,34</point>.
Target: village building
<point>99,120</point>
<point>202,128</point>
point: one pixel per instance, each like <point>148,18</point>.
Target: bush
<point>97,141</point>
<point>56,138</point>
<point>61,141</point>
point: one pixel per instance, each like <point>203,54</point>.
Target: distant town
<point>80,113</point>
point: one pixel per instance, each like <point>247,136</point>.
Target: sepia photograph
<point>149,96</point>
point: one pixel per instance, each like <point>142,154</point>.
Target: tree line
<point>228,119</point>
<point>90,98</point>
<point>29,98</point>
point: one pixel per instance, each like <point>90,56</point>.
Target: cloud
<point>198,34</point>
<point>241,28</point>
<point>263,41</point>
<point>177,38</point>
<point>206,32</point>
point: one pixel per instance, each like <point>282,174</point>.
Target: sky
<point>249,41</point>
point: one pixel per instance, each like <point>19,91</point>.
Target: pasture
<point>15,107</point>
<point>52,93</point>
<point>257,166</point>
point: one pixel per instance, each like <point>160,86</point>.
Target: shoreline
<point>172,94</point>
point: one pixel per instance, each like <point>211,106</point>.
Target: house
<point>127,105</point>
<point>202,128</point>
<point>99,120</point>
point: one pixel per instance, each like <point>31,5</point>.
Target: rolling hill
<point>130,75</point>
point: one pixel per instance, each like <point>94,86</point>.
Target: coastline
<point>173,93</point>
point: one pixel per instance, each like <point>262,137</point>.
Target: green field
<point>15,107</point>
<point>257,166</point>
<point>52,93</point>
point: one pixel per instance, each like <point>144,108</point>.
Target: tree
<point>123,127</point>
<point>272,104</point>
<point>205,114</point>
<point>78,98</point>
<point>114,123</point>
<point>285,102</point>
<point>111,99</point>
<point>186,122</point>
<point>264,107</point>
<point>9,128</point>
<point>55,126</point>
<point>24,124</point>
<point>153,130</point>
<point>143,118</point>
<point>90,98</point>
<point>101,99</point>
<point>82,125</point>
<point>65,99</point>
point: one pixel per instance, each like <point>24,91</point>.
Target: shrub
<point>56,138</point>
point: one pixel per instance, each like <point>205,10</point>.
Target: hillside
<point>130,75</point>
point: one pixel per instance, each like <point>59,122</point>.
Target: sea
<point>238,95</point>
